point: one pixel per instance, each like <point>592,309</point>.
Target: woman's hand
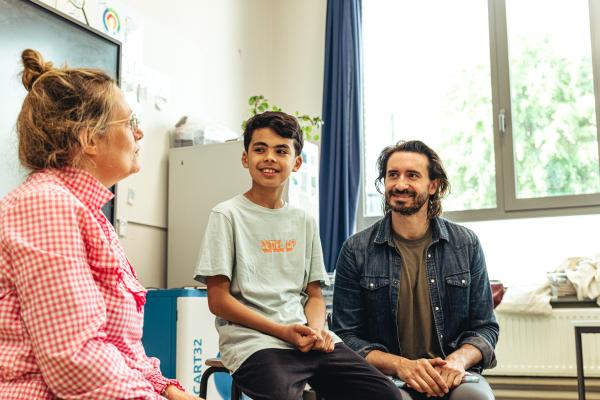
<point>174,393</point>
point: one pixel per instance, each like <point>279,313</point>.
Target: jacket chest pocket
<point>372,284</point>
<point>376,298</point>
<point>458,288</point>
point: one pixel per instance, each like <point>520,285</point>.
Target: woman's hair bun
<point>33,67</point>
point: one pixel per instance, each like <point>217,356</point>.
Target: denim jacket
<point>367,281</point>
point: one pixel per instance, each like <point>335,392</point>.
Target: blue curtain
<point>342,113</point>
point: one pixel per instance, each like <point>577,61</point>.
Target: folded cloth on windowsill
<point>527,299</point>
<point>584,274</point>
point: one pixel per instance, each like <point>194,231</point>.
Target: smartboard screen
<point>26,24</point>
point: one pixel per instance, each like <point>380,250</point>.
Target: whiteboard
<point>25,24</point>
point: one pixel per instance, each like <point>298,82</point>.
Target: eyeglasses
<point>134,122</point>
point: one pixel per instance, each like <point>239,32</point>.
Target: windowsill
<point>572,302</point>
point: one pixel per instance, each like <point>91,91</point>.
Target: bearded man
<point>412,294</point>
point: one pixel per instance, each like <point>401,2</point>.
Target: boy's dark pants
<point>279,374</point>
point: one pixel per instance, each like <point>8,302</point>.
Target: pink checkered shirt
<point>71,308</point>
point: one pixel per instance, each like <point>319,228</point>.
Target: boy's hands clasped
<point>306,339</point>
<point>324,342</point>
<point>300,336</point>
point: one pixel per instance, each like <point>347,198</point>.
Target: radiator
<point>545,345</point>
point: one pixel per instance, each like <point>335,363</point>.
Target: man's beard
<point>419,200</point>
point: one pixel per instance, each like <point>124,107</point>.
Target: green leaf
<point>307,123</point>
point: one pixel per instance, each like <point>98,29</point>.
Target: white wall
<point>298,55</point>
<point>215,54</point>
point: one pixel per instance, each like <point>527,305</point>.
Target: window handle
<point>502,120</point>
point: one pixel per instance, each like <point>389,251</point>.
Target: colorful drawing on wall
<point>111,21</point>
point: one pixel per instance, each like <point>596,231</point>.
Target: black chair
<point>215,365</point>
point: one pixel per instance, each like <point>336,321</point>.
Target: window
<point>504,91</point>
<point>552,102</point>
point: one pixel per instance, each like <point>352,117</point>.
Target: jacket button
<point>463,281</point>
<point>371,285</point>
<point>433,281</point>
<point>437,309</point>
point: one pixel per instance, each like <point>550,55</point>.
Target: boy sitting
<point>262,262</point>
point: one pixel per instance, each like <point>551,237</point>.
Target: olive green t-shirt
<point>416,330</point>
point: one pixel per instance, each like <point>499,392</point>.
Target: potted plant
<point>310,125</point>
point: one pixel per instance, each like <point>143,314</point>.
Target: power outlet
<point>130,196</point>
<point>122,227</point>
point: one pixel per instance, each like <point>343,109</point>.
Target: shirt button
<point>429,255</point>
<point>437,309</point>
<point>371,285</point>
<point>433,281</point>
<point>441,336</point>
<point>463,281</point>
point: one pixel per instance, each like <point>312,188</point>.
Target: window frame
<point>508,206</point>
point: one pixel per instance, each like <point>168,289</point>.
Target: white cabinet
<point>200,177</point>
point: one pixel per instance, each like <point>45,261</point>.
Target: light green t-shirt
<point>270,256</point>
